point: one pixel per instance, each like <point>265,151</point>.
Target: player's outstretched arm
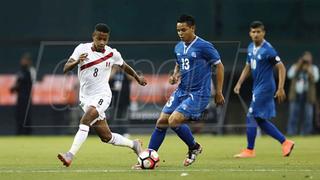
<point>280,94</point>
<point>71,63</point>
<point>133,73</point>
<point>245,73</point>
<point>219,99</point>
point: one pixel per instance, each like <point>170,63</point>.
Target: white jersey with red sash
<point>95,71</point>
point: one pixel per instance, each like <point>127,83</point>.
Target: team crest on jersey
<point>193,54</point>
<point>184,106</point>
<point>259,56</point>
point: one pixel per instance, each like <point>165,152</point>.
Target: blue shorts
<point>263,106</point>
<point>191,104</point>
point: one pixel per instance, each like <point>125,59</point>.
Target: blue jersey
<point>195,62</point>
<point>262,59</point>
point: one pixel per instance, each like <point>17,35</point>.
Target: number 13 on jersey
<point>185,63</point>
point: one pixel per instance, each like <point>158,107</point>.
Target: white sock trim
<point>119,140</point>
<point>79,138</point>
<point>84,127</point>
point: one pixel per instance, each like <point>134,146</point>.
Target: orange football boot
<point>287,147</point>
<point>246,153</point>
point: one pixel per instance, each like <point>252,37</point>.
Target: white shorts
<point>101,102</point>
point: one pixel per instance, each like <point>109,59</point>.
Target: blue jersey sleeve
<point>273,57</point>
<point>210,53</point>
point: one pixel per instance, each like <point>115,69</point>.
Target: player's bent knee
<point>172,122</point>
<point>93,113</point>
<point>176,119</point>
<point>89,116</point>
<point>106,138</point>
<point>162,123</point>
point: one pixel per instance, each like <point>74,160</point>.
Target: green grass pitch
<point>35,158</point>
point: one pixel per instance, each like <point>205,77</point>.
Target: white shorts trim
<point>100,102</point>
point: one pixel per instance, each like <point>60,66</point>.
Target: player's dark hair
<point>257,24</point>
<point>186,19</point>
<point>101,27</point>
<point>306,53</point>
<point>27,56</point>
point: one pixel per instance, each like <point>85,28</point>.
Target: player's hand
<point>219,99</point>
<point>82,57</point>
<point>280,95</point>
<point>237,89</point>
<point>173,79</point>
<point>141,80</point>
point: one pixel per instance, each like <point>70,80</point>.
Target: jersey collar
<point>186,48</point>
<point>256,48</point>
<point>94,49</point>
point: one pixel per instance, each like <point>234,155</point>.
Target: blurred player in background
<point>120,87</point>
<point>302,94</point>
<point>23,87</point>
<point>195,59</point>
<point>95,61</point>
<point>261,59</point>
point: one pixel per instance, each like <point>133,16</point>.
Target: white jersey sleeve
<point>77,52</point>
<point>117,58</point>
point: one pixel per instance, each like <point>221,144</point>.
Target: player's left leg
<point>159,132</point>
<point>190,108</point>
<point>106,136</point>
<point>176,123</point>
<point>273,131</point>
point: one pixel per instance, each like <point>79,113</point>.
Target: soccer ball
<point>148,159</point>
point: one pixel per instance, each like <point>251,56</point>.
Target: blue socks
<point>184,132</point>
<point>271,130</point>
<point>251,131</point>
<point>266,126</point>
<point>157,138</point>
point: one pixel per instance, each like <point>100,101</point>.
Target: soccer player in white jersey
<point>95,61</point>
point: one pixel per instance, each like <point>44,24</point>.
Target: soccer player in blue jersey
<point>195,58</point>
<point>261,59</point>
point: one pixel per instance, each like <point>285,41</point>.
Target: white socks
<point>82,134</point>
<point>79,139</point>
<point>118,140</point>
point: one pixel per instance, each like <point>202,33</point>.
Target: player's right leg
<point>157,135</point>
<point>106,136</point>
<point>159,132</point>
<point>89,116</point>
<point>251,137</point>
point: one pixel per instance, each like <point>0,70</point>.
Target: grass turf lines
<point>35,158</point>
